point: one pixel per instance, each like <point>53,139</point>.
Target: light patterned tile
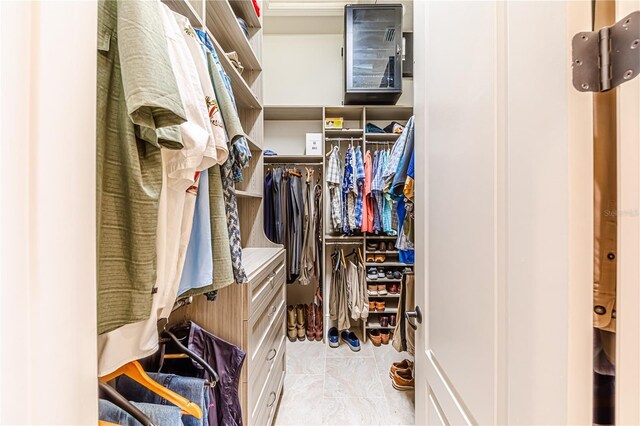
<point>306,357</point>
<point>387,355</point>
<point>352,377</point>
<point>351,411</point>
<point>300,402</point>
<point>400,408</point>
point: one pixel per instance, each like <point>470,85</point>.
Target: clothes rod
<point>293,164</point>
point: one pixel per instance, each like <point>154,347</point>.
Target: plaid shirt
<point>334,178</point>
<point>360,184</point>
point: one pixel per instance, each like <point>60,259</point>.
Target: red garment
<point>367,198</point>
<point>256,7</point>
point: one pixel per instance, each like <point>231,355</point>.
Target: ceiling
<point>317,17</point>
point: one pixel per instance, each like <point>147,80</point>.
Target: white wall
<point>47,194</point>
<point>306,69</point>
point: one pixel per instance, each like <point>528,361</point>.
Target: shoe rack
<point>390,262</point>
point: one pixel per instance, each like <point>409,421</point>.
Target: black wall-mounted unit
<point>373,54</point>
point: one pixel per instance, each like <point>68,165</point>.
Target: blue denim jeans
<point>192,388</point>
<point>164,415</point>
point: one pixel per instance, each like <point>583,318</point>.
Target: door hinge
<point>608,57</point>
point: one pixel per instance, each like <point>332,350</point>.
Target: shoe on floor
<point>301,321</point>
<point>385,335</point>
<point>350,338</point>
<point>374,336</point>
<point>372,274</point>
<point>292,333</point>
<point>402,365</point>
<point>403,380</point>
<point>334,338</point>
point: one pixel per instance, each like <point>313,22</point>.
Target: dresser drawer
<point>264,349</point>
<point>263,364</point>
<point>268,320</point>
<point>264,409</point>
<point>263,287</point>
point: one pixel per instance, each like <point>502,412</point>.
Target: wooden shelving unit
<point>343,133</point>
<point>292,112</point>
<point>248,194</point>
<point>222,22</point>
<point>306,159</point>
<point>245,10</point>
<point>382,137</point>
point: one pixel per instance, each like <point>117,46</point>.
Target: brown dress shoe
<point>380,305</point>
<point>374,335</point>
<point>311,322</point>
<point>301,319</point>
<point>403,380</point>
<point>402,365</point>
<point>372,305</point>
<point>319,329</point>
<point>291,323</point>
<point>385,335</point>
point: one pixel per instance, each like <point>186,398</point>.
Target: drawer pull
<point>275,352</point>
<point>272,311</point>
<point>272,396</point>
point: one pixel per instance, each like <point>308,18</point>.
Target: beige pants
<point>403,331</point>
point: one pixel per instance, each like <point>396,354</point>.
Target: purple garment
<point>226,359</point>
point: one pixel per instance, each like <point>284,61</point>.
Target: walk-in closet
<point>308,212</point>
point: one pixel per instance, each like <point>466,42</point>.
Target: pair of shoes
<point>296,322</point>
<point>377,289</point>
<point>401,374</point>
<point>393,288</point>
<point>372,247</point>
<point>314,322</point>
<point>380,336</point>
<point>349,337</point>
<point>372,274</point>
<point>371,258</point>
<point>381,273</point>
<point>388,320</point>
<point>377,305</point>
<point>379,258</point>
<point>397,275</point>
<point>304,321</point>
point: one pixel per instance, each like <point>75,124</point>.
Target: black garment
<point>226,359</point>
<point>276,196</point>
<point>268,209</point>
<point>604,399</point>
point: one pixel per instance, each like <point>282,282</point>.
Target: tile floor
<point>326,386</point>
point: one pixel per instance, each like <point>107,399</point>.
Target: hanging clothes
<point>338,295</point>
<point>334,180</point>
<point>367,197</point>
<point>308,258</point>
<point>268,210</point>
<point>317,202</point>
<point>295,221</point>
<point>360,176</point>
<point>348,198</point>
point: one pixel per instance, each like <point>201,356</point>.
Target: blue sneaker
<point>350,338</point>
<point>333,338</point>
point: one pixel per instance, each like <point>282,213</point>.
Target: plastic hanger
<point>134,371</point>
<point>188,353</point>
<point>110,394</point>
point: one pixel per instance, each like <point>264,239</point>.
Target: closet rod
<point>344,243</point>
<point>293,164</point>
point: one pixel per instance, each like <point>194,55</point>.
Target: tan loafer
<point>403,380</point>
<point>402,365</point>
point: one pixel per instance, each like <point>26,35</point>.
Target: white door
<point>628,290</point>
<point>503,252</point>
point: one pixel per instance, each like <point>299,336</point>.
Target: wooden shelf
<point>386,296</point>
<point>344,133</point>
<point>185,8</point>
<point>392,310</point>
<point>244,96</point>
<point>292,112</point>
<point>344,238</point>
<point>383,264</point>
<point>384,280</point>
<point>255,258</point>
<point>307,159</point>
<point>253,146</point>
<point>348,112</point>
<point>381,137</point>
<point>381,237</point>
<point>245,10</point>
<point>373,325</point>
<point>391,252</point>
<point>221,20</point>
<point>248,194</point>
<point>388,112</point>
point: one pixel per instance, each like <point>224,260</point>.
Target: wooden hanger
<point>134,371</point>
